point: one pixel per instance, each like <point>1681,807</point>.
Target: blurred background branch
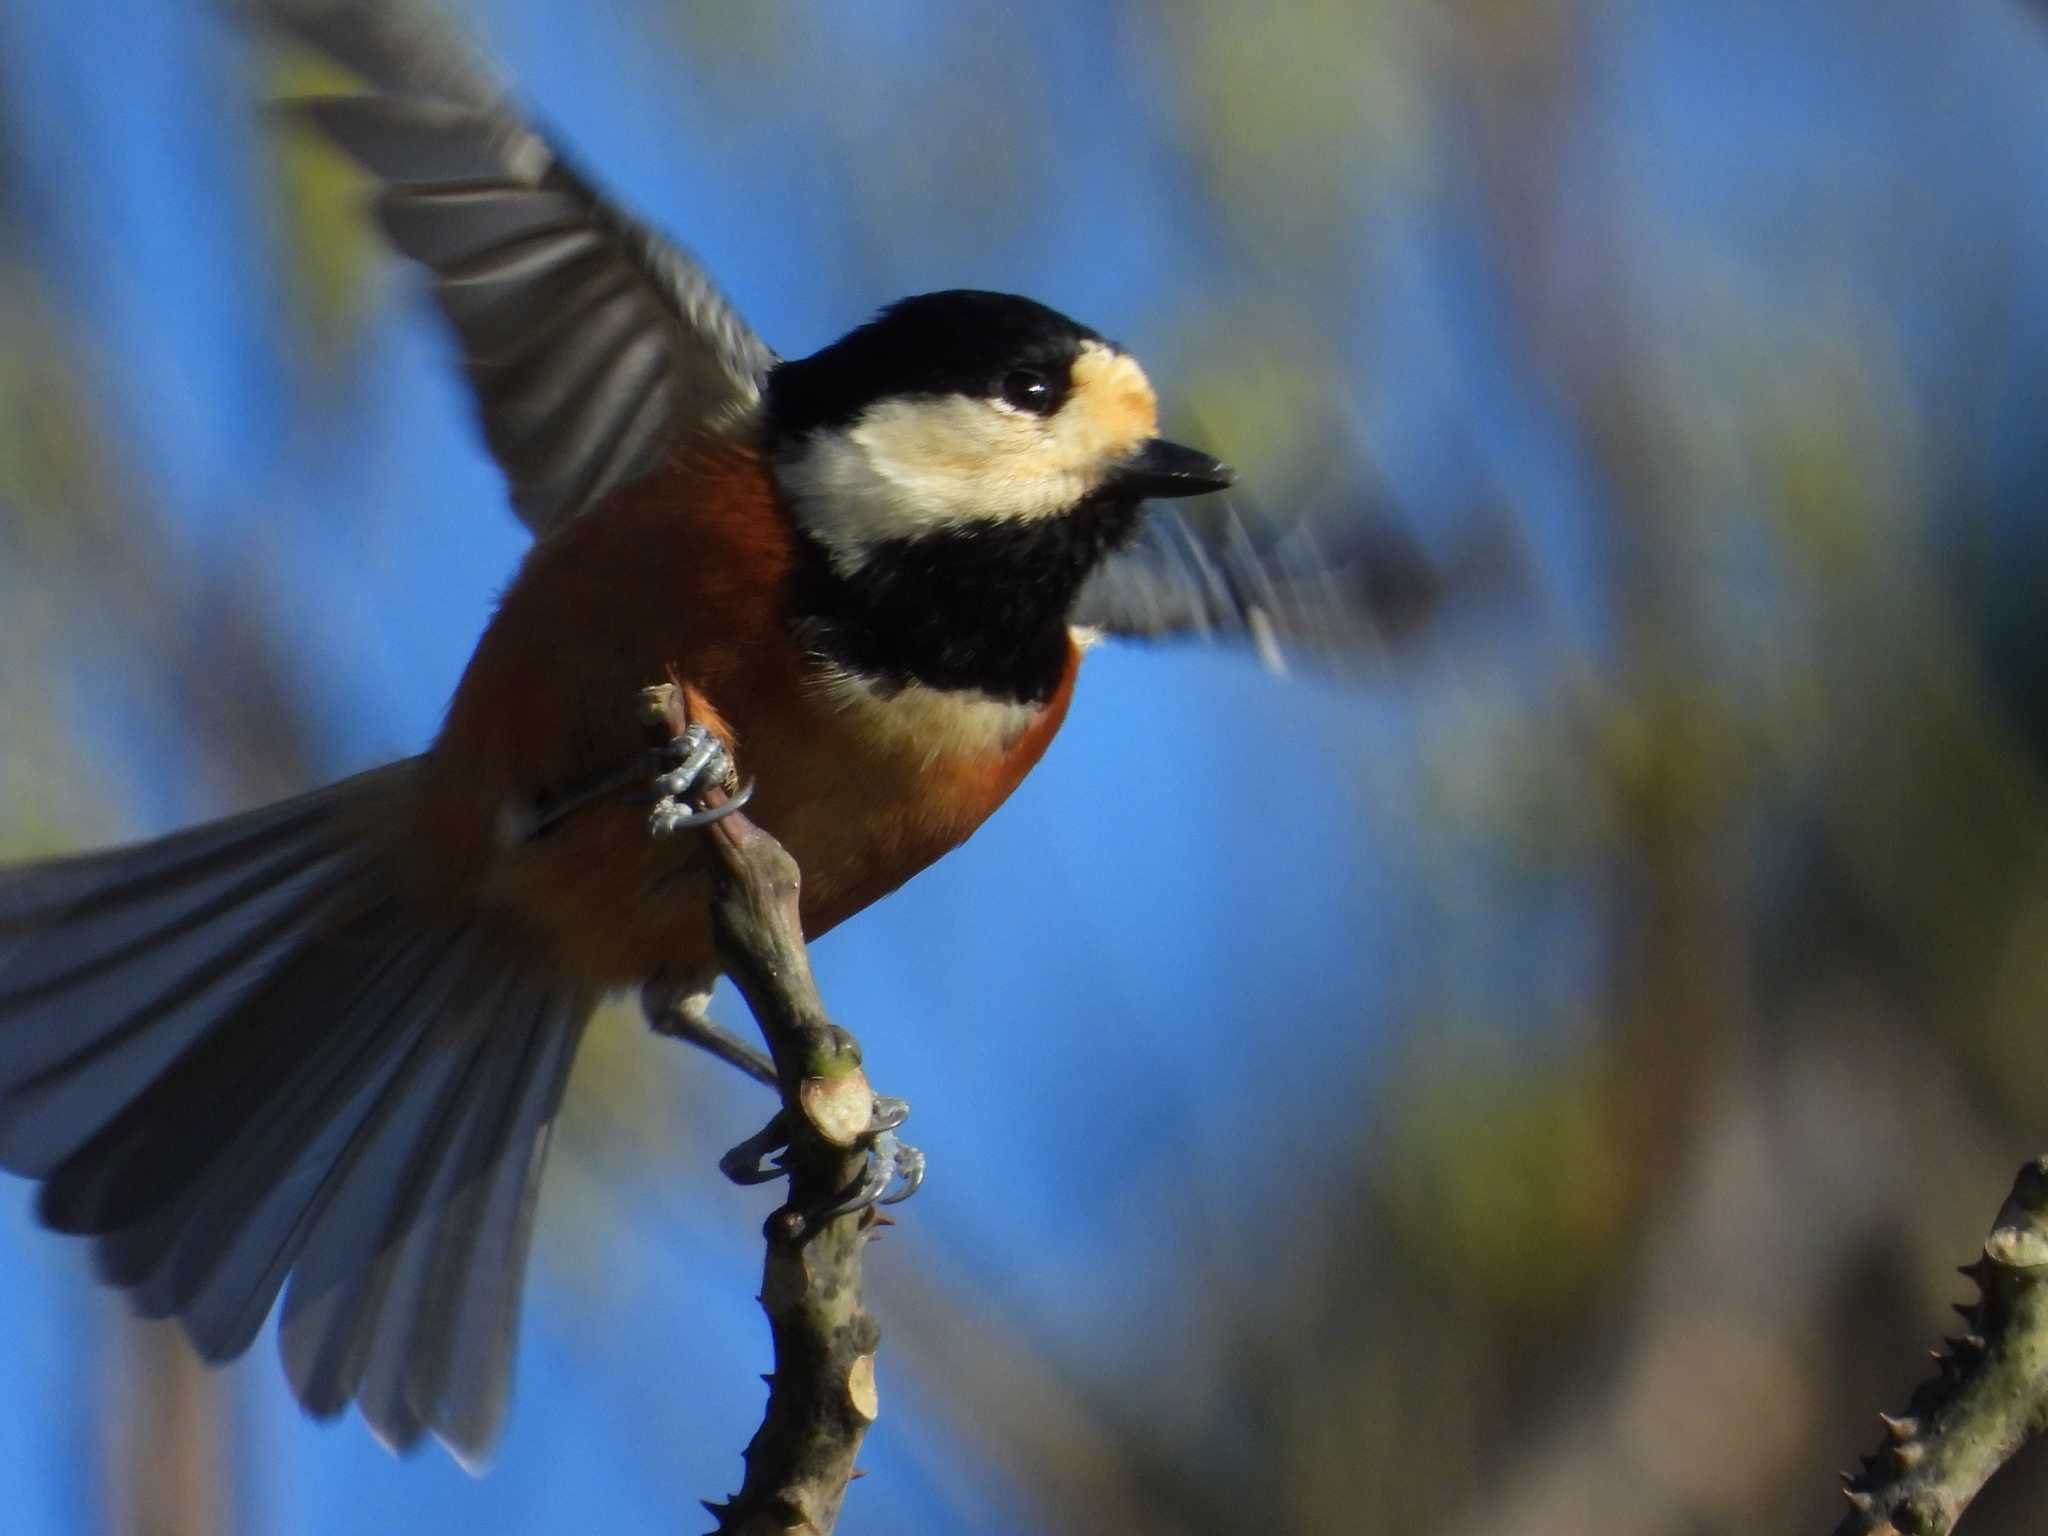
<point>1990,1396</point>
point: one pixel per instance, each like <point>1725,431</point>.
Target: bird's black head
<point>961,343</point>
<point>958,466</point>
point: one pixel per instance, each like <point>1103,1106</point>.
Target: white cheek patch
<point>924,464</point>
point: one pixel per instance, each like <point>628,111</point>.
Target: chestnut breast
<point>686,577</point>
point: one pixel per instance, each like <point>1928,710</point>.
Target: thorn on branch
<point>1992,1393</point>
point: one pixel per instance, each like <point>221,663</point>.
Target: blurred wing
<point>1329,591</point>
<point>590,340</point>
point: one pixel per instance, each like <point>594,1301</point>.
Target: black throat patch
<point>983,606</point>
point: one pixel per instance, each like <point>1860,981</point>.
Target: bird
<point>314,1050</point>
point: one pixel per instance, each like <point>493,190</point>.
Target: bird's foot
<point>676,776</point>
<point>890,1161</point>
<point>697,764</point>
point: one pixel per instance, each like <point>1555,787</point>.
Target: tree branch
<point>821,1394</point>
<point>1990,1398</point>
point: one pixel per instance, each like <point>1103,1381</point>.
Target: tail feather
<point>239,1055</point>
<point>409,1256</point>
<point>95,885</point>
<point>272,1045</point>
<point>338,1284</point>
<point>50,1116</point>
<point>31,983</point>
<point>433,1275</point>
<point>241,1229</point>
<point>100,993</point>
<point>461,1386</point>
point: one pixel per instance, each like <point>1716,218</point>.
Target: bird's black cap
<point>962,341</point>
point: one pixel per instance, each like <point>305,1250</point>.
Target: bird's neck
<point>981,606</point>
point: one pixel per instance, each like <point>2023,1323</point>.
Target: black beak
<point>1160,468</point>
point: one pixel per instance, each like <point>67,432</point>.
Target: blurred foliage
<point>1261,107</point>
<point>1507,1179</point>
<point>49,476</point>
<point>1633,1241</point>
<point>68,528</point>
<point>331,249</point>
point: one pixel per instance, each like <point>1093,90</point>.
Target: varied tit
<point>325,1041</point>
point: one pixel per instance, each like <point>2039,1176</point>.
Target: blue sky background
<point>1154,994</point>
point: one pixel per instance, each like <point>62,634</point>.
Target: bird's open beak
<point>1160,468</point>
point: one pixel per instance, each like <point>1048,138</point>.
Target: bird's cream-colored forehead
<point>1112,404</point>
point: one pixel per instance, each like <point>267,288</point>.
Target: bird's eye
<point>1029,390</point>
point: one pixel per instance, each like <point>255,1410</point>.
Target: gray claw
<point>889,1159</point>
<point>888,1113</point>
<point>703,765</point>
<point>672,815</point>
<point>698,748</point>
<point>909,1168</point>
<point>754,1161</point>
<point>700,764</point>
<point>876,1176</point>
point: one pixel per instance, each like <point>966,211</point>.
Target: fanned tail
<point>241,1053</point>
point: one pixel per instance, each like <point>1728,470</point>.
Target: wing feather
<point>591,341</point>
<point>1332,591</point>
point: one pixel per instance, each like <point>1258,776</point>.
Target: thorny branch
<point>1990,1397</point>
<point>821,1394</point>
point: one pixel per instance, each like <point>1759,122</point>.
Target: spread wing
<point>1334,589</point>
<point>591,340</point>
